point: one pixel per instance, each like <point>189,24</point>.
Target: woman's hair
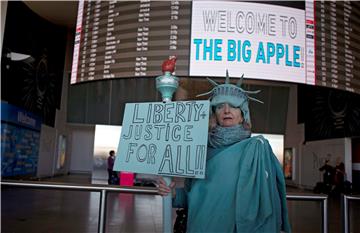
<point>212,121</point>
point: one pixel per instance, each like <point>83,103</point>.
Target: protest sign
<point>164,138</point>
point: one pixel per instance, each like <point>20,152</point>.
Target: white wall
<point>294,133</point>
<point>348,159</point>
<point>46,151</point>
<point>82,149</point>
<point>314,155</point>
<point>60,120</point>
<point>50,135</point>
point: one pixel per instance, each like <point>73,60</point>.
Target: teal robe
<point>243,191</point>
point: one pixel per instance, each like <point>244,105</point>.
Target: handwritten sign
<point>164,138</point>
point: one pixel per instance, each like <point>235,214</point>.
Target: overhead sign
<point>164,138</point>
<point>259,40</point>
<point>20,117</point>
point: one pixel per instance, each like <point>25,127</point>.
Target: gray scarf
<point>224,136</point>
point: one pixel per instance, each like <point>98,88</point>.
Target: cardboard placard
<point>164,138</point>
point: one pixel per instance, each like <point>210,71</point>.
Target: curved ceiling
<point>58,12</point>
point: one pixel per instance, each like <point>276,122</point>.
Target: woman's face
<point>227,115</point>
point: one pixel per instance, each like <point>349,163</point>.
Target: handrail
<point>103,189</point>
<point>311,197</point>
<point>345,205</point>
<point>97,188</point>
<point>93,187</point>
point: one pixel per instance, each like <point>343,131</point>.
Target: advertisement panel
<point>262,41</point>
<point>20,140</point>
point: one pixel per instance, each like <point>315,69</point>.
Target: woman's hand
<point>164,190</point>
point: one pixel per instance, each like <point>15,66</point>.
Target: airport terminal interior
<point>78,76</point>
<point>42,210</point>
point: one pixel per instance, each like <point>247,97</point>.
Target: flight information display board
<point>338,44</point>
<point>130,39</point>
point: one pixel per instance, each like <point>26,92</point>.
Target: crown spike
<point>256,100</point>
<point>206,93</point>
<point>250,92</point>
<point>212,82</point>
<point>239,82</point>
<point>232,94</point>
<point>227,80</point>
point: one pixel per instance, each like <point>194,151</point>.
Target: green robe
<point>243,191</point>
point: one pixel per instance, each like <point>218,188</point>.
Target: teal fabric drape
<point>243,191</point>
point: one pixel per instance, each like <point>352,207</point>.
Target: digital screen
<point>259,40</point>
<point>338,44</point>
<point>117,39</point>
<point>305,42</point>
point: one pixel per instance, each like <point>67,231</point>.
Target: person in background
<point>339,177</point>
<point>328,176</point>
<point>113,177</point>
<point>244,186</point>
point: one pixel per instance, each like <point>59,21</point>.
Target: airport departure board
<point>117,39</point>
<point>129,39</point>
<point>338,44</point>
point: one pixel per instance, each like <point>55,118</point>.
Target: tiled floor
<point>51,211</point>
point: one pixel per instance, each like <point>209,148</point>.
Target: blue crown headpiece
<point>232,94</point>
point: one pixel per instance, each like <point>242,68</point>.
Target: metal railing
<point>345,210</point>
<point>92,188</point>
<point>142,190</point>
<point>323,198</point>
